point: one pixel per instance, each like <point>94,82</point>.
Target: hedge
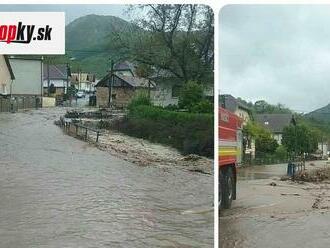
<point>188,132</point>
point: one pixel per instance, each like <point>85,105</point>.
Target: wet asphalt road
<point>57,191</point>
<point>261,217</point>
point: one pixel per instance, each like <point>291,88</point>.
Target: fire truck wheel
<point>228,191</point>
<point>220,187</point>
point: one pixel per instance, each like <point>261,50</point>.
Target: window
<point>176,90</point>
<point>3,89</point>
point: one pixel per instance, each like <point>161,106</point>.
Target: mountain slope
<point>87,41</point>
<point>321,114</point>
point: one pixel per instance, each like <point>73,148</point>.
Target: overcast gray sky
<point>72,11</point>
<point>278,53</point>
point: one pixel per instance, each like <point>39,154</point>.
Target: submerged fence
<point>80,131</point>
<point>14,104</point>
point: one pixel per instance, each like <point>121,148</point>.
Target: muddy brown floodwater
<point>57,191</point>
<point>272,213</point>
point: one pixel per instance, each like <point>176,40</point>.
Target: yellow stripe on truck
<point>229,151</point>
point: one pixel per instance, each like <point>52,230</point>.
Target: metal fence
<point>16,103</point>
<point>263,159</point>
<point>80,131</point>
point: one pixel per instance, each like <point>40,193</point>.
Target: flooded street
<point>272,213</point>
<point>57,191</point>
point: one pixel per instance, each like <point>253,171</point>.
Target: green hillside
<point>87,43</point>
<point>321,114</point>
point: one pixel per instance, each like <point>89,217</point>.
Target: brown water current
<point>57,191</point>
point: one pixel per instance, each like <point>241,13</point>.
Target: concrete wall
<point>5,79</point>
<point>162,95</point>
<point>28,76</point>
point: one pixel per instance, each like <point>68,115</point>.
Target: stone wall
<point>121,96</point>
<point>102,96</point>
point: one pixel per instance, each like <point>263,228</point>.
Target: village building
<point>162,86</point>
<point>56,77</point>
<point>28,76</point>
<point>167,89</point>
<point>122,88</point>
<point>6,76</point>
<point>83,81</point>
<point>235,106</point>
<point>275,123</point>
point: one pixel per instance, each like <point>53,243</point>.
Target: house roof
<point>274,122</point>
<point>12,76</point>
<point>125,66</point>
<point>55,72</point>
<point>232,104</point>
<point>135,82</point>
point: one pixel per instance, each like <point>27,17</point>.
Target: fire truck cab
<point>230,155</point>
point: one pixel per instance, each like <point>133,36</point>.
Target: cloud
<point>279,53</point>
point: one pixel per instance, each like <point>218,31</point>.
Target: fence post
<point>76,129</point>
<point>97,136</point>
<point>86,134</point>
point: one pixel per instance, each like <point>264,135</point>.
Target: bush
<point>190,94</point>
<point>203,106</point>
<point>141,98</point>
<point>188,132</point>
<point>172,107</point>
<point>281,152</point>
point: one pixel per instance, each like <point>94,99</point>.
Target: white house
<point>6,75</point>
<point>275,123</point>
<point>28,76</point>
<point>57,76</point>
<point>83,81</point>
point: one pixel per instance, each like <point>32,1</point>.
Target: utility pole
<point>48,79</point>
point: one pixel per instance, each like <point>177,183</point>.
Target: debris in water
<point>191,157</point>
<point>316,175</point>
<point>294,194</point>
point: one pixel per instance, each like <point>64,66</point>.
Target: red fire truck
<point>230,155</point>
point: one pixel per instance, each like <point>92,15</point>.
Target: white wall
<point>162,96</point>
<point>56,82</point>
<point>323,147</point>
<point>28,80</point>
<point>278,138</point>
<point>5,78</point>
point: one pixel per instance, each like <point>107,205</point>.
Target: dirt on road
<point>273,212</point>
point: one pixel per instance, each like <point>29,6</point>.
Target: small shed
<point>123,88</point>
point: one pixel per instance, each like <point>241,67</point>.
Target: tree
<point>300,139</point>
<point>190,95</point>
<point>262,106</point>
<point>177,38</point>
<point>265,143</point>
